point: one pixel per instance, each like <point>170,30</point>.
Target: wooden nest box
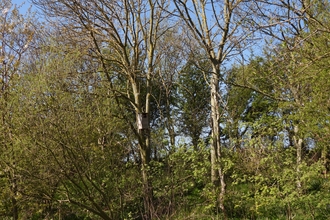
<point>143,121</point>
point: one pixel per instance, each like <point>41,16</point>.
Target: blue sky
<point>25,5</point>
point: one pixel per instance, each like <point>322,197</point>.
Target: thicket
<point>75,82</point>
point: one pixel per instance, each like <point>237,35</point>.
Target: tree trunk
<point>215,130</point>
<point>217,175</point>
<point>298,142</point>
<point>147,187</point>
<point>144,147</point>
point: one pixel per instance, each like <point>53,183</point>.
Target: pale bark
<point>216,29</point>
<point>298,142</point>
<point>131,29</point>
<point>215,147</point>
<point>217,175</point>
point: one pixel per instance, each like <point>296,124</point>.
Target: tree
<point>164,102</point>
<point>126,34</point>
<point>218,28</point>
<point>79,151</point>
<point>290,75</point>
<point>194,103</point>
<point>16,35</point>
<point>277,173</point>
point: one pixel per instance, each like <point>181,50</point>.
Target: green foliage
<point>68,150</point>
<point>268,188</point>
<point>180,180</point>
<point>194,100</point>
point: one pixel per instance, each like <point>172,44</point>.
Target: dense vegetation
<point>235,96</point>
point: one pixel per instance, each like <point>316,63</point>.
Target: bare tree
<point>219,28</point>
<point>123,37</point>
